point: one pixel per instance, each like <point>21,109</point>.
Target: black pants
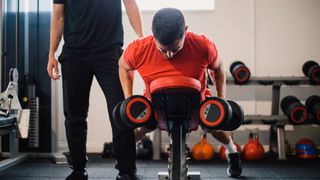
<point>77,76</point>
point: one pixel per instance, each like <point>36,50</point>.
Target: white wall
<point>272,37</point>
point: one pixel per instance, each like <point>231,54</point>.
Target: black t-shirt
<point>91,25</point>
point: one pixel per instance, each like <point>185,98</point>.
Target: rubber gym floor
<point>103,169</point>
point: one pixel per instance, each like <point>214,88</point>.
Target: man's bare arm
<point>57,24</point>
<point>126,77</point>
<point>134,16</point>
<point>220,78</point>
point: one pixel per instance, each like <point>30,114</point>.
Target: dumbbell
<point>135,111</point>
<point>240,72</point>
<point>237,117</point>
<point>216,113</point>
<point>313,106</point>
<point>312,70</point>
<point>295,111</point>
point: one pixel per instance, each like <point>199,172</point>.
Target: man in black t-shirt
<point>93,39</point>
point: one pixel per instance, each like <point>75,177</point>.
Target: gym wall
<point>273,38</point>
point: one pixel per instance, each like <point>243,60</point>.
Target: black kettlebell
<point>295,111</point>
<point>240,72</point>
<point>144,148</point>
<point>108,150</point>
<point>312,70</point>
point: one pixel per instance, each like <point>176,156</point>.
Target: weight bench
<point>176,106</point>
<point>8,125</point>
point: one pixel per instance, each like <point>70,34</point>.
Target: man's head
<point>168,28</point>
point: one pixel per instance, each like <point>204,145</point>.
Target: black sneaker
<point>128,177</point>
<point>78,175</point>
<point>234,168</point>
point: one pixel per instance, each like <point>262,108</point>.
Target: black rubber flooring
<point>103,169</point>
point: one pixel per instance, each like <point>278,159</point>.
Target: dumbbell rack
<point>276,121</point>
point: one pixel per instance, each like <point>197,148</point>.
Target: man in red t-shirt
<point>174,51</point>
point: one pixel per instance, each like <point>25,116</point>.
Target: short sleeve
<point>129,55</point>
<point>212,55</point>
<point>59,1</point>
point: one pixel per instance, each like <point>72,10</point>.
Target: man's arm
<point>126,77</point>
<point>133,13</point>
<point>220,78</point>
<point>57,24</point>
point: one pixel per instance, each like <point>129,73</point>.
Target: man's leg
<point>234,169</point>
<point>76,79</point>
<point>106,72</point>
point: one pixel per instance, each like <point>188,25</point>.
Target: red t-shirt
<point>198,54</point>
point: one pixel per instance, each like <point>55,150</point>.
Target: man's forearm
<point>133,13</point>
<point>126,79</point>
<point>220,79</point>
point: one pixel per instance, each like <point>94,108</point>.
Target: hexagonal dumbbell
<point>313,106</point>
<point>237,117</point>
<point>135,111</point>
<point>240,72</point>
<point>216,113</point>
<point>312,70</point>
<point>295,111</point>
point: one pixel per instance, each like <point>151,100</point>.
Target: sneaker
<point>128,177</point>
<point>78,175</point>
<point>234,168</point>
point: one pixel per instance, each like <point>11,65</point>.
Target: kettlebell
<point>253,150</point>
<point>306,149</point>
<point>203,151</point>
<point>107,150</point>
<point>144,148</point>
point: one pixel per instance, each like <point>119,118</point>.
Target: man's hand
<point>53,69</point>
<point>141,132</point>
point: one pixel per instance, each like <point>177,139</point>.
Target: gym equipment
<point>295,111</point>
<point>116,119</point>
<point>14,121</point>
<point>290,151</point>
<point>144,148</point>
<point>107,150</point>
<point>216,113</point>
<point>313,106</point>
<point>222,151</point>
<point>312,70</point>
<point>136,111</point>
<point>277,129</point>
<point>9,104</point>
<point>240,72</point>
<point>306,149</point>
<point>237,117</point>
<point>176,103</point>
<point>253,150</point>
<point>203,151</point>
